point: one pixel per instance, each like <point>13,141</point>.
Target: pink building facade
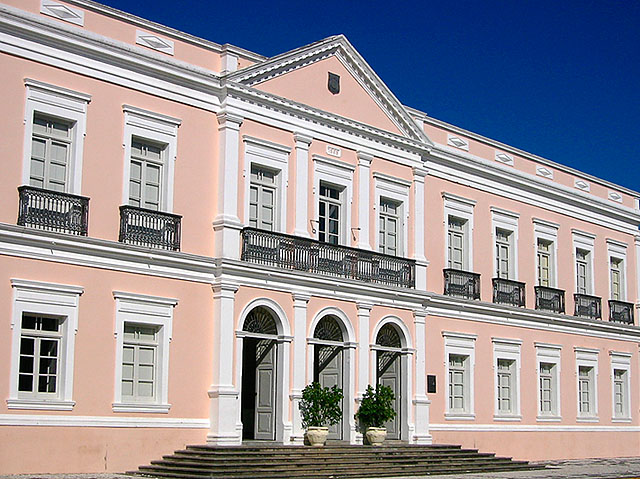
<point>202,231</point>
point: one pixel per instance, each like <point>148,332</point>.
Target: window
<point>266,176</point>
<point>617,253</point>
<point>50,148</point>
<point>459,361</point>
<point>329,214</point>
<point>545,263</point>
<point>55,120</point>
<point>262,198</point>
<point>44,323</point>
<point>620,373</point>
<point>583,274</point>
<point>456,243</point>
<point>143,331</point>
<point>503,253</point>
<point>390,228</point>
<point>145,181</point>
<point>548,358</point>
<point>458,389</point>
<point>151,143</point>
<point>506,354</point>
<point>587,373</point>
<point>616,279</point>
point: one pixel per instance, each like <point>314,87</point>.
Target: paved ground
<point>580,469</point>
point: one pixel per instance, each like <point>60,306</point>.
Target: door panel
<point>265,390</point>
<point>328,365</point>
<point>389,375</point>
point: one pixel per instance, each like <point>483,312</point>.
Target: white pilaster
<point>224,403</point>
<point>637,242</point>
<point>421,402</point>
<point>364,208</point>
<point>227,225</point>
<point>418,229</point>
<point>300,360</point>
<point>364,317</point>
<point>302,184</point>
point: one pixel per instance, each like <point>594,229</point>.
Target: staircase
<point>331,461</point>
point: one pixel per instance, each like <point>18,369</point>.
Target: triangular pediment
<point>302,76</point>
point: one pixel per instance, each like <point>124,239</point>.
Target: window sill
<point>507,417</point>
<point>549,418</point>
<point>459,416</point>
<point>621,419</point>
<point>588,419</point>
<point>41,404</point>
<point>142,407</point>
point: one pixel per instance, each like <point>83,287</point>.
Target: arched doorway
<point>389,372</point>
<point>259,374</point>
<point>328,361</point>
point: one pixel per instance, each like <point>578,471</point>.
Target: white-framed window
<point>506,363</point>
<point>620,390</point>
<point>548,366</point>
<point>617,252</point>
<point>505,236</point>
<point>587,383</point>
<point>458,220</point>
<point>266,172</point>
<point>143,330</point>
<point>44,325</point>
<point>55,128</point>
<point>583,247</point>
<point>333,189</point>
<point>392,204</point>
<point>459,349</point>
<point>150,148</point>
<point>546,242</point>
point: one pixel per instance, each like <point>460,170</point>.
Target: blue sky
<point>559,79</point>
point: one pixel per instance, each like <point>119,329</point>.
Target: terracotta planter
<point>317,436</point>
<point>376,435</point>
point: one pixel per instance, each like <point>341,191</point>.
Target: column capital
<point>419,316</point>
<point>364,306</point>
<point>364,158</point>
<point>419,173</point>
<point>302,140</point>
<point>229,120</point>
<point>224,289</point>
<point>299,297</point>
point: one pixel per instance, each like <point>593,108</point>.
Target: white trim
<point>617,250</point>
<point>149,310</point>
<point>55,101</point>
<point>462,344</point>
<point>546,231</point>
<point>159,128</point>
<point>507,221</point>
<point>584,241</point>
<point>62,12</point>
<point>621,360</point>
<point>272,156</point>
<point>552,354</point>
<point>587,357</point>
<point>396,189</point>
<point>500,427</point>
<point>338,173</point>
<point>150,40</point>
<point>33,420</point>
<point>364,209</point>
<point>507,349</point>
<point>462,208</point>
<point>48,299</point>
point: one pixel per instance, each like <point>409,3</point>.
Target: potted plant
<point>376,408</point>
<point>320,408</point>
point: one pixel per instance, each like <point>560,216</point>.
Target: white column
<point>227,225</point>
<point>299,362</point>
<point>418,229</point>
<point>224,407</point>
<point>364,316</point>
<point>364,208</point>
<point>302,184</point>
<point>421,402</point>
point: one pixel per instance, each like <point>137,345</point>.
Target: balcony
<point>153,229</point>
<point>620,312</point>
<point>549,299</point>
<point>506,291</point>
<point>53,211</point>
<point>462,284</point>
<point>587,306</point>
<point>302,254</point>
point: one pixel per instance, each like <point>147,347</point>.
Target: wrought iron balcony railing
<point>549,299</point>
<point>506,291</point>
<point>53,211</point>
<point>143,227</point>
<point>460,283</point>
<point>587,306</point>
<point>302,254</point>
<point>620,312</point>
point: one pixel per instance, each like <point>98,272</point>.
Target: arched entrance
<point>328,360</point>
<point>389,372</point>
<point>259,375</point>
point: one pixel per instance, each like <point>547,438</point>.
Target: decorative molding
<point>544,172</point>
<point>458,142</point>
<point>154,42</point>
<point>62,12</point>
<point>266,145</point>
<point>334,151</point>
<point>615,196</point>
<point>582,185</point>
<point>529,428</point>
<point>504,158</point>
<point>102,421</point>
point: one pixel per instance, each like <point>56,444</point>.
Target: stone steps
<point>331,461</point>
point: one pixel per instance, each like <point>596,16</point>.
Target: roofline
<point>517,151</point>
<point>164,30</point>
